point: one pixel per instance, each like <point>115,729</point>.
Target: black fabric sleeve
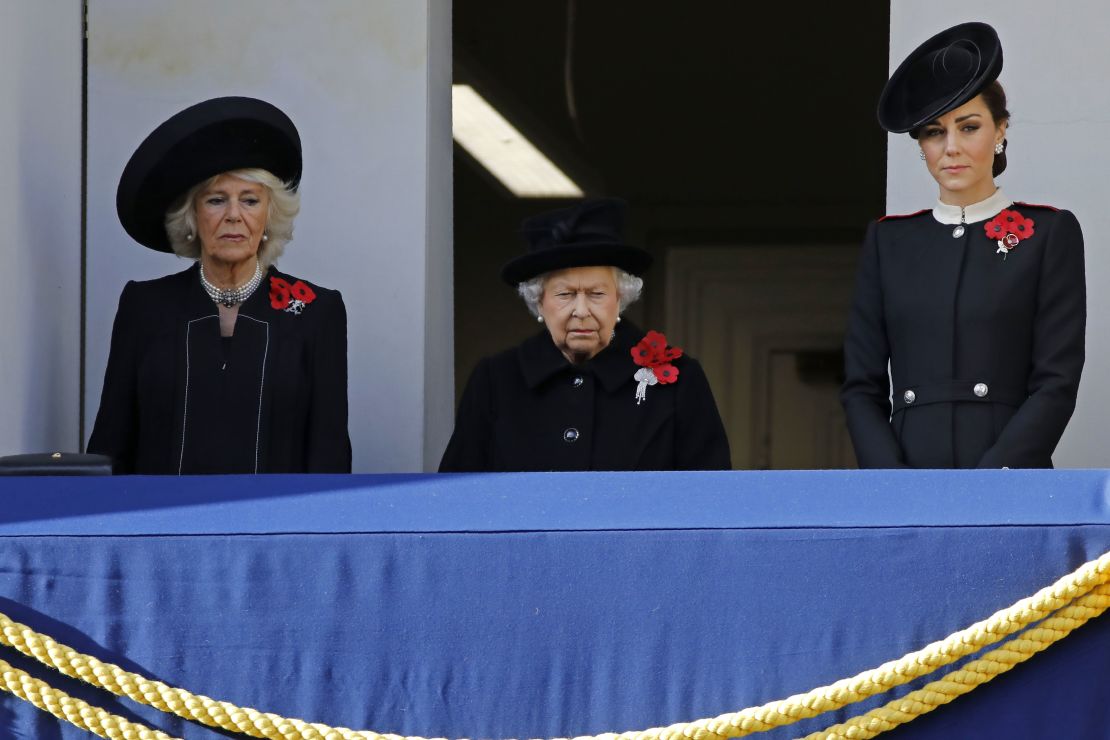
<point>700,439</point>
<point>1059,327</point>
<point>116,427</point>
<point>866,391</point>
<point>468,449</point>
<point>328,442</point>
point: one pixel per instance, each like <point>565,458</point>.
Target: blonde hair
<point>285,203</point>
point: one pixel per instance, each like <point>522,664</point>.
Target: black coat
<point>178,398</point>
<point>528,408</point>
<point>951,314</point>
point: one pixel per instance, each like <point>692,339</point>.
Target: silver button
<point>980,390</point>
<point>578,381</point>
<point>570,435</point>
<point>909,396</point>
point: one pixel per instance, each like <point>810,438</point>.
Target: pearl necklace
<point>232,296</point>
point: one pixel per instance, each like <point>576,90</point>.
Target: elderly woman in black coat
<point>589,391</point>
<point>978,304</point>
<point>229,366</point>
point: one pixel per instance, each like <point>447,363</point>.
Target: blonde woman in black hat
<point>229,366</point>
<point>977,304</point>
<point>588,391</point>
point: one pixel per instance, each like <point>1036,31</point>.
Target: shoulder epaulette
<point>905,215</point>
<point>1035,205</point>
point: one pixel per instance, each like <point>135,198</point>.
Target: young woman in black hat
<point>229,366</point>
<point>589,391</point>
<point>978,305</point>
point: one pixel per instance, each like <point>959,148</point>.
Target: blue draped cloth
<point>541,605</point>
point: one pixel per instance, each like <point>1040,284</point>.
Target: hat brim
<point>204,140</point>
<point>898,114</point>
<point>631,259</point>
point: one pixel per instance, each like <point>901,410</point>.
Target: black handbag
<point>56,463</point>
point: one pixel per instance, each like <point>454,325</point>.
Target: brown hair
<point>994,97</point>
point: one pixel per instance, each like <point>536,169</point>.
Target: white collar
<point>973,213</point>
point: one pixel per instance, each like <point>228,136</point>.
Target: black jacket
<point>528,408</point>
<point>985,349</point>
<point>178,398</point>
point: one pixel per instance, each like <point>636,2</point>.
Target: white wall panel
<point>356,79</point>
<point>1055,70</point>
<point>40,209</point>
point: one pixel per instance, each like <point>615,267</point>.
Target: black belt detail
<point>955,391</point>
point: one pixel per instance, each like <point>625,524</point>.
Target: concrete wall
<point>368,86</point>
<point>40,209</point>
<point>1059,153</point>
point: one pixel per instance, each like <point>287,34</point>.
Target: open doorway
<point>743,137</point>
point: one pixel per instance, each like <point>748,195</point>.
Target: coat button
<point>578,381</point>
<point>980,390</point>
<point>909,396</point>
<point>570,435</point>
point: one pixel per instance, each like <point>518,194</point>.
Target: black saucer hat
<point>203,140</point>
<point>942,74</point>
<point>587,234</point>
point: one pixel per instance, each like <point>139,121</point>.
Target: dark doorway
<point>742,135</point>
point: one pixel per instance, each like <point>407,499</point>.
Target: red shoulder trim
<point>1035,205</point>
<point>905,215</point>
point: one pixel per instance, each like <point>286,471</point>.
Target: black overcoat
<point>528,408</point>
<point>985,349</point>
<point>178,398</point>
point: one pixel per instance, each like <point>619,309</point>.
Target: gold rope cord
<point>75,711</point>
<point>975,673</point>
<point>1084,586</point>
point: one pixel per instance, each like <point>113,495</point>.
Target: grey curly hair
<point>629,288</point>
<point>285,204</point>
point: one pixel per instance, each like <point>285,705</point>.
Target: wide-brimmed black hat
<point>590,233</point>
<point>942,74</point>
<point>203,140</point>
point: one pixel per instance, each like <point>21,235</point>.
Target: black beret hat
<point>587,234</point>
<point>942,74</point>
<point>203,140</point>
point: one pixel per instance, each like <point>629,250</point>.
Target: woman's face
<point>231,218</point>
<point>959,151</point>
<point>580,307</point>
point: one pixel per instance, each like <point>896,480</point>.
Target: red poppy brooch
<point>1008,228</point>
<point>290,298</point>
<point>654,358</point>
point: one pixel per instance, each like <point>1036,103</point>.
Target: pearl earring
<point>265,237</point>
<point>999,148</point>
<point>539,319</point>
<point>618,319</point>
<point>189,237</point>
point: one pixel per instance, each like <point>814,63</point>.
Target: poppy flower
<point>302,292</point>
<point>1009,222</point>
<point>641,355</point>
<point>280,291</point>
<point>666,373</point>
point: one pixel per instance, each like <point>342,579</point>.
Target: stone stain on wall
<point>167,42</point>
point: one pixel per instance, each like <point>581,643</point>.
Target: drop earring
<point>999,147</point>
<point>922,152</point>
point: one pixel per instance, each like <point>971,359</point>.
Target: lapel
<point>613,365</point>
<point>540,359</point>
